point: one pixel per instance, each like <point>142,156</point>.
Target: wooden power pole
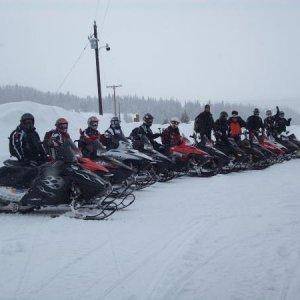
<point>98,70</point>
<point>114,96</point>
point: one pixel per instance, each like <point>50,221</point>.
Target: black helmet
<point>27,116</point>
<point>223,114</point>
<point>148,119</point>
<point>256,111</point>
<point>27,121</point>
<point>234,113</point>
<point>115,122</point>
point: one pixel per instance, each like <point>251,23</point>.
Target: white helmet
<point>93,122</point>
<point>174,121</point>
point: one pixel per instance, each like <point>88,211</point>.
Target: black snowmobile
<point>222,161</point>
<point>141,163</point>
<point>239,158</point>
<point>164,167</point>
<point>290,142</point>
<point>65,183</point>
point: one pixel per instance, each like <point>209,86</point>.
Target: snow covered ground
<point>234,236</point>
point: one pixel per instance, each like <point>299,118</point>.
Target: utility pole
<point>119,104</point>
<point>98,70</point>
<point>114,96</point>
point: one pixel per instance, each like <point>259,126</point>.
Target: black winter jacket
<point>204,123</point>
<point>26,145</point>
<point>254,123</point>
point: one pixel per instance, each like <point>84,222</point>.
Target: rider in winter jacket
<point>55,140</point>
<point>269,122</point>
<point>25,143</point>
<point>171,135</point>
<point>114,134</point>
<point>221,127</point>
<point>255,124</point>
<point>280,122</point>
<point>91,140</point>
<point>204,124</point>
<point>235,125</point>
<point>139,134</point>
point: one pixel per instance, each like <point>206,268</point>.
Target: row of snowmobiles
<point>96,188</point>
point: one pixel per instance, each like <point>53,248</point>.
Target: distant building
<point>136,118</point>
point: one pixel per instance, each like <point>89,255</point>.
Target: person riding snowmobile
<point>90,139</point>
<point>269,122</point>
<point>235,125</point>
<point>204,124</point>
<point>254,124</point>
<point>280,122</point>
<point>25,143</point>
<point>171,135</point>
<point>114,134</point>
<point>55,139</point>
<point>221,127</point>
<point>137,135</point>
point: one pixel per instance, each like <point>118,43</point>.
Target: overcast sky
<point>242,50</point>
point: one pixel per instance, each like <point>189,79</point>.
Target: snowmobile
<point>66,183</point>
<point>278,151</point>
<point>192,160</point>
<point>222,161</point>
<point>118,171</point>
<point>241,160</point>
<point>259,160</point>
<point>290,142</point>
<point>141,163</point>
<point>164,167</point>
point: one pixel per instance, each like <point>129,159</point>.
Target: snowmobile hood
<point>187,149</point>
<point>90,165</point>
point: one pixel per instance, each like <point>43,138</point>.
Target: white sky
<point>241,50</point>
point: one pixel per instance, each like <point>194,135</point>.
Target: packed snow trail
<point>234,236</point>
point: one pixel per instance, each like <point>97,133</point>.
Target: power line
<point>105,15</point>
<point>97,9</point>
<point>72,68</point>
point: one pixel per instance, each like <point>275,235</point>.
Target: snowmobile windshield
<point>125,145</point>
<point>69,152</point>
<point>147,145</point>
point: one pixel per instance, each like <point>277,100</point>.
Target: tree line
<point>161,109</point>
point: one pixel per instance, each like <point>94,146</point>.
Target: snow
<point>234,236</point>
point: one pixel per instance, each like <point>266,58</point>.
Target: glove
<point>290,119</point>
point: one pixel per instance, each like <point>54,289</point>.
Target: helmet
<point>115,122</point>
<point>93,122</point>
<point>223,114</point>
<point>27,121</point>
<point>27,116</point>
<point>148,119</point>
<point>62,125</point>
<point>234,113</point>
<point>269,113</point>
<point>256,111</point>
<point>174,122</point>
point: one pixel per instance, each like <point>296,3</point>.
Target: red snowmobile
<point>189,159</point>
